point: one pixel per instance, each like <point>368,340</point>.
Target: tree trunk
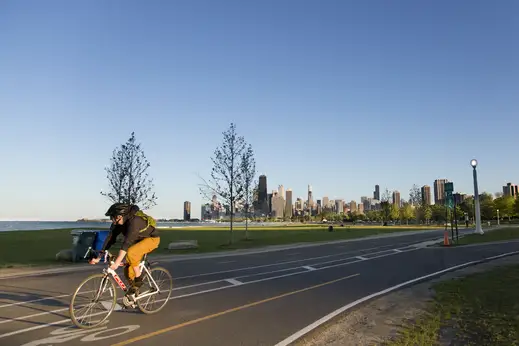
<point>247,223</point>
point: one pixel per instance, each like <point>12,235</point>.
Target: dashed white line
<point>234,282</point>
<point>308,267</point>
<point>397,250</point>
<point>34,301</point>
<point>361,258</point>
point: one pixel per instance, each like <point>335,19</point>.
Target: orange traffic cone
<point>446,239</point>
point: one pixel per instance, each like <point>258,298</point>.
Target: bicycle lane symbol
<point>70,333</point>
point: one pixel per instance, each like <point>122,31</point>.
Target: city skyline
<point>279,202</point>
<point>341,95</point>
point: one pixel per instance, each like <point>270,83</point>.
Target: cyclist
<point>140,237</point>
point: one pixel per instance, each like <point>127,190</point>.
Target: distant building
<point>396,198</point>
<point>439,191</point>
<point>353,206</point>
<point>263,198</point>
<point>459,198</point>
<point>288,203</point>
<point>376,193</point>
<point>360,208</point>
<point>426,195</point>
<point>339,206</point>
<point>511,190</point>
<point>187,211</point>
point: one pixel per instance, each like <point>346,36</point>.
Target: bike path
<point>182,310</point>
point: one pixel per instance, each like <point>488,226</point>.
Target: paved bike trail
<point>270,296</point>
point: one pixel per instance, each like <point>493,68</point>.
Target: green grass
<point>507,233</point>
<point>40,247</point>
<point>480,309</point>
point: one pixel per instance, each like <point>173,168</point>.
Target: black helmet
<point>118,209</point>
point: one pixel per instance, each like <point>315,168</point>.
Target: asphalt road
<point>255,299</point>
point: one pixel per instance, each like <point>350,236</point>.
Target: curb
<point>178,258</point>
<point>312,327</point>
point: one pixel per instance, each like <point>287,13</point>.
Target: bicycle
<point>107,285</point>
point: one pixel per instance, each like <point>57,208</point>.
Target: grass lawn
<point>507,233</point>
<point>480,309</point>
<point>40,247</point>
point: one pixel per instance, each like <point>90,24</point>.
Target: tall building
<point>396,198</point>
<point>269,204</point>
<point>263,198</point>
<point>326,203</point>
<point>511,190</point>
<point>360,208</point>
<point>339,206</point>
<point>187,211</point>
<point>205,212</point>
<point>367,204</point>
<point>353,206</point>
<point>439,191</point>
<point>288,203</point>
<point>376,193</point>
<point>426,195</point>
<point>278,205</point>
<point>459,198</point>
<point>310,197</point>
<point>281,191</point>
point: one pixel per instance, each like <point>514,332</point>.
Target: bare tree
<point>248,173</point>
<point>385,204</point>
<point>415,196</point>
<point>127,176</point>
<point>226,179</point>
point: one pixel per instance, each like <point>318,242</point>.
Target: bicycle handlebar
<point>97,254</point>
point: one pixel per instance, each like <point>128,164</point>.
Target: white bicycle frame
<point>121,284</point>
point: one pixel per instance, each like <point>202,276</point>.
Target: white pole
<point>478,229</point>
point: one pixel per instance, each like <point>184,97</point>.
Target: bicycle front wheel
<point>93,301</point>
<point>157,299</point>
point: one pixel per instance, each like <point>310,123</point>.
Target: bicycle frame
<point>109,271</point>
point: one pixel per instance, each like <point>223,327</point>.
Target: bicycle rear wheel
<point>95,292</point>
<point>155,302</point>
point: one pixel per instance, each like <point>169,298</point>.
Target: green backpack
<point>149,220</point>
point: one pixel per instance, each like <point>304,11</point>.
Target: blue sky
<point>341,95</point>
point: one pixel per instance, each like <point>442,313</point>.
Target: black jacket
<point>134,229</point>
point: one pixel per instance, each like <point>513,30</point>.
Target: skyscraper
<point>396,198</point>
<point>511,190</point>
<point>310,198</point>
<point>326,202</point>
<point>376,193</point>
<point>426,195</point>
<point>187,211</point>
<point>263,198</point>
<point>439,191</point>
<point>353,206</point>
<point>288,203</point>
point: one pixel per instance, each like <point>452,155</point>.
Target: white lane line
<point>281,263</point>
<point>397,250</point>
<point>234,282</point>
<point>361,258</point>
<point>226,262</point>
<point>331,315</point>
<point>34,301</point>
<point>308,267</point>
<point>234,285</point>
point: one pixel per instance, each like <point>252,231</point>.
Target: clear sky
<point>339,94</point>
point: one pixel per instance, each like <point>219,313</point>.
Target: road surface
<point>255,299</point>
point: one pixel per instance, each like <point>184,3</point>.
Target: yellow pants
<point>136,252</point>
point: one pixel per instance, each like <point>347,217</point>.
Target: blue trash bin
<point>100,239</point>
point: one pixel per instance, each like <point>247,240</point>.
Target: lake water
<point>6,226</point>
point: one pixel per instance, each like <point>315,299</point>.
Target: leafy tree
<point>427,213</point>
<point>226,180</point>
<point>127,176</point>
<point>505,204</point>
<point>385,205</point>
<point>516,206</point>
<point>438,213</point>
<point>395,212</point>
<point>468,207</point>
<point>248,173</point>
<point>406,213</point>
<point>487,206</point>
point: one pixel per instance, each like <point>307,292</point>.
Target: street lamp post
<point>478,229</point>
<point>498,217</point>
